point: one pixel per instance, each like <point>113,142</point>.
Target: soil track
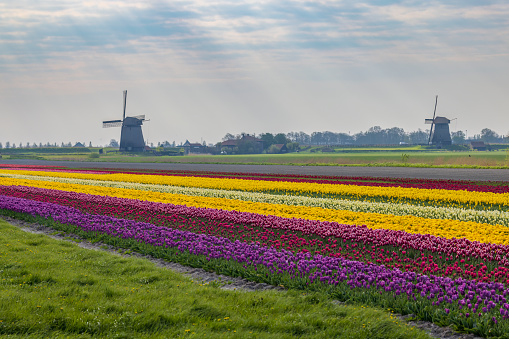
<point>394,172</point>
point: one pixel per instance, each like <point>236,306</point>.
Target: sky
<point>199,69</point>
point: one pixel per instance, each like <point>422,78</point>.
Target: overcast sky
<point>199,69</point>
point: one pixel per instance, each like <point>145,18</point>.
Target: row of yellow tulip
<point>411,224</point>
<point>353,191</point>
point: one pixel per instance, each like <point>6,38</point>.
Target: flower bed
<point>449,271</point>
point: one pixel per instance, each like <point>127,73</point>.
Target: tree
<point>418,137</point>
<point>280,138</point>
<point>292,146</point>
<point>228,136</point>
<point>317,138</point>
<point>395,135</point>
<point>1,146</point>
<point>268,140</point>
<point>114,143</point>
<point>7,145</point>
<point>292,136</point>
<point>90,144</point>
<point>273,149</point>
<point>303,138</point>
<point>488,135</point>
<point>458,137</point>
<point>330,137</point>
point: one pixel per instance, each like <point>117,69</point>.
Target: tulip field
<point>438,249</point>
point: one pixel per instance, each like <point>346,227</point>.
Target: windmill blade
<point>125,102</point>
<point>433,121</point>
<point>140,117</point>
<point>112,123</point>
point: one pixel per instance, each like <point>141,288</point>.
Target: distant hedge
<point>45,150</point>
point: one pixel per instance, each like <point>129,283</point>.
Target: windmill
<point>131,137</point>
<point>441,135</point>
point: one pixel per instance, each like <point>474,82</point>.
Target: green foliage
<point>46,150</point>
<point>292,146</point>
<point>404,158</point>
<point>273,149</point>
<point>268,140</point>
<point>280,138</point>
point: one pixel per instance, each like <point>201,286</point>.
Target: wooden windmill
<point>131,136</point>
<point>439,134</point>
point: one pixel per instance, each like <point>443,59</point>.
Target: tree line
<point>373,136</point>
<point>41,145</point>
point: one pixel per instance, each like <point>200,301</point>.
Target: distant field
<point>347,157</point>
<point>474,159</point>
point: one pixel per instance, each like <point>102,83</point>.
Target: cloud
<point>239,61</point>
<point>34,32</point>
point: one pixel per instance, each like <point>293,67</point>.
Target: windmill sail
<point>432,120</point>
<point>112,123</point>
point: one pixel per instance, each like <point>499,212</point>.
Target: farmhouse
<point>478,145</point>
<point>246,144</point>
<point>192,147</point>
<point>281,148</point>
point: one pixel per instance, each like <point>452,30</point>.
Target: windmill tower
<point>131,137</point>
<point>441,135</point>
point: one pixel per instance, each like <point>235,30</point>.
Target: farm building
<point>478,145</point>
<point>281,148</point>
<point>246,144</point>
<point>192,147</point>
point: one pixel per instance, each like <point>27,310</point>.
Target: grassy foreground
<point>52,288</point>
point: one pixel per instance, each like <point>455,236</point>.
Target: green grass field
<point>414,156</point>
<point>53,288</point>
<point>415,159</point>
